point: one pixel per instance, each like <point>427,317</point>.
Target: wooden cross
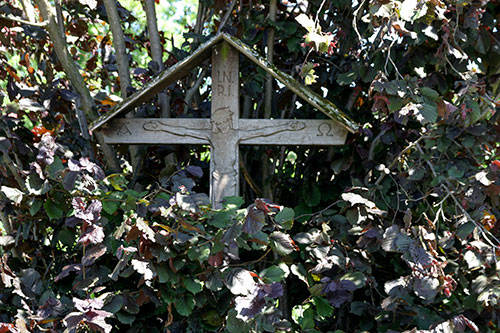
<point>224,131</point>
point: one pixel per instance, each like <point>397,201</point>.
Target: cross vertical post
<point>224,156</point>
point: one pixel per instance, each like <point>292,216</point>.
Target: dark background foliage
<point>395,231</point>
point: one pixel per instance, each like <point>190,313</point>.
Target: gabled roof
<point>183,67</point>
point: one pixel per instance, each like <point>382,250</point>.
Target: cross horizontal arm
<point>293,132</point>
<point>157,131</point>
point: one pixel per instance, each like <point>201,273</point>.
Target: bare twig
<point>14,170</point>
<point>226,16</point>
<point>318,212</point>
<point>191,91</point>
<point>119,45</point>
<point>29,10</point>
<point>355,19</point>
<point>374,144</point>
<point>249,179</point>
<point>268,96</point>
<point>395,160</point>
<point>60,18</point>
<point>21,21</point>
<point>486,234</point>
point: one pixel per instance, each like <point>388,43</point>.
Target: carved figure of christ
<point>224,131</point>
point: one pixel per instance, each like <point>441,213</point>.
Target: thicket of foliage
<point>395,231</point>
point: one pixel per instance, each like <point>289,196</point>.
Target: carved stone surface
<point>224,131</point>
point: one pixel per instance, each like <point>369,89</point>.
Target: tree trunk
<point>156,51</point>
<point>135,151</point>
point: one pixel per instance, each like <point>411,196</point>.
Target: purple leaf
<point>427,287</point>
<point>93,254</point>
<point>74,165</point>
<point>68,269</point>
<point>461,323</point>
<point>121,249</point>
<point>240,282</point>
<point>254,220</point>
<point>337,292</point>
<point>95,208</point>
<point>249,306</point>
<point>93,234</point>
<point>51,308</point>
<point>144,268</point>
<point>72,320</point>
<point>84,305</point>
<point>419,256</point>
<point>281,243</point>
<point>195,171</point>
<point>69,180</point>
<point>71,222</point>
<point>90,214</point>
<point>98,172</point>
<point>46,149</point>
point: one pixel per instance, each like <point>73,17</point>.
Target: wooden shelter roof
<point>183,67</point>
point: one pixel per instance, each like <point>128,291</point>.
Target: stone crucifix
<point>224,131</point>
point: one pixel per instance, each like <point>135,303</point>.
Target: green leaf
<point>356,277</point>
<point>443,144</point>
<point>475,113</point>
<point>293,44</point>
<point>301,272</point>
<point>453,172</point>
<point>66,237</point>
<point>13,194</point>
<point>125,318</point>
<point>303,315</point>
<point>323,307</point>
<point>345,79</point>
<point>416,173</point>
<point>272,274</point>
<point>234,202</point>
<point>193,285</point>
<point>36,185</point>
<point>358,308</point>
<point>162,272</point>
<point>55,168</point>
<point>200,253</point>
<point>430,93</point>
<point>185,305</point>
<point>302,209</point>
<point>312,195</point>
<point>221,219</point>
<point>285,215</point>
<point>212,318</point>
<point>117,181</point>
<point>306,22</point>
<point>35,205</point>
<point>465,230</point>
<point>52,210</point>
<point>235,325</point>
<point>427,112</point>
<point>110,207</point>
